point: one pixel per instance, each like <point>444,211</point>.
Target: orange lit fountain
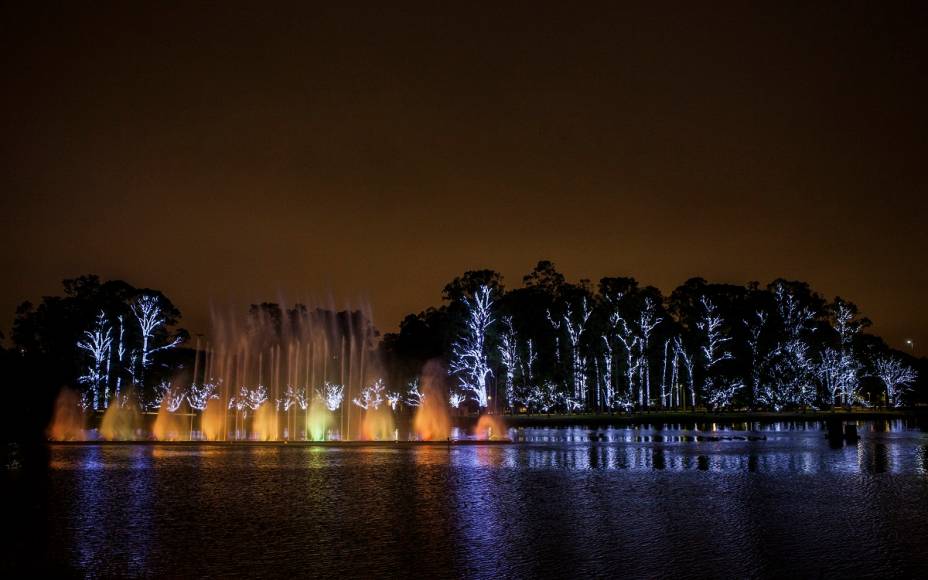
<point>490,428</point>
<point>68,421</point>
<point>121,421</point>
<point>431,421</point>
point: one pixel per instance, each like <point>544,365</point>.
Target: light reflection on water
<point>755,501</point>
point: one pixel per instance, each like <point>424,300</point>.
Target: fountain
<point>279,375</point>
<point>265,425</point>
<point>169,425</point>
<point>68,421</point>
<point>431,421</point>
<point>377,425</point>
<point>213,421</point>
<point>121,420</point>
<point>490,428</point>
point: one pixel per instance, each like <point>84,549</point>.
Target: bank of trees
<point>106,339</point>
<point>549,345</point>
<point>552,345</point>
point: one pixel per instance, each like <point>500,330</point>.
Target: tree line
<point>549,345</point>
<point>556,346</point>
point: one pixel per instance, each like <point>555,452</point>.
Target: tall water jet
<point>377,425</point>
<point>212,421</point>
<point>289,354</point>
<point>68,421</point>
<point>318,421</point>
<point>264,425</point>
<point>121,421</point>
<point>431,421</point>
<point>490,428</point>
<point>169,426</point>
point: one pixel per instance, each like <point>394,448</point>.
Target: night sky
<point>233,153</point>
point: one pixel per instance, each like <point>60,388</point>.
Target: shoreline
<point>592,420</point>
<point>247,443</point>
<point>700,417</point>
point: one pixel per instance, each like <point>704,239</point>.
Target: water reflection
<point>649,501</point>
<point>104,478</point>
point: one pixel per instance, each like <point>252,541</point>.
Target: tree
<point>689,364</point>
<point>841,367</point>
<point>574,325</point>
<point>509,356</point>
<point>147,311</point>
<point>97,343</point>
<point>789,364</point>
<point>372,396</point>
<point>544,277</point>
<point>896,377</point>
<point>756,326</point>
<point>647,321</point>
<point>621,332</point>
<point>719,392</point>
<point>469,353</point>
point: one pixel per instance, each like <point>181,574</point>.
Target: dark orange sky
<point>222,151</point>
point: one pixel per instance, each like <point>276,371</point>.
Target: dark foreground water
<point>644,503</point>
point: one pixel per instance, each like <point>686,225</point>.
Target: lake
<point>736,502</point>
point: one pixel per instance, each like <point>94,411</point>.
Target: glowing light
<point>198,395</point>
<point>333,395</point>
<point>167,395</point>
<point>414,396</point>
<point>371,396</point>
<point>455,400</point>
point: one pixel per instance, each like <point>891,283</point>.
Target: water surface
<point>753,501</point>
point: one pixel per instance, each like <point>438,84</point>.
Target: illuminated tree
<point>455,400</point>
<point>723,391</point>
<point>332,394</point>
<point>843,366</point>
<point>97,343</point>
<point>790,369</point>
<point>120,352</point>
<point>608,385</point>
<point>86,401</point>
<point>621,331</point>
<point>509,356</point>
<point>838,374</point>
<point>647,321</point>
<point>172,396</point>
<point>523,389</point>
<point>755,328</point>
<point>372,396</point>
<point>469,353</point>
<point>248,399</point>
<point>199,394</point>
<point>147,311</point>
<point>574,325</point>
<point>545,396</point>
<point>896,377</point>
<point>414,396</point>
<point>295,396</point>
<point>718,392</point>
<point>689,364</point>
